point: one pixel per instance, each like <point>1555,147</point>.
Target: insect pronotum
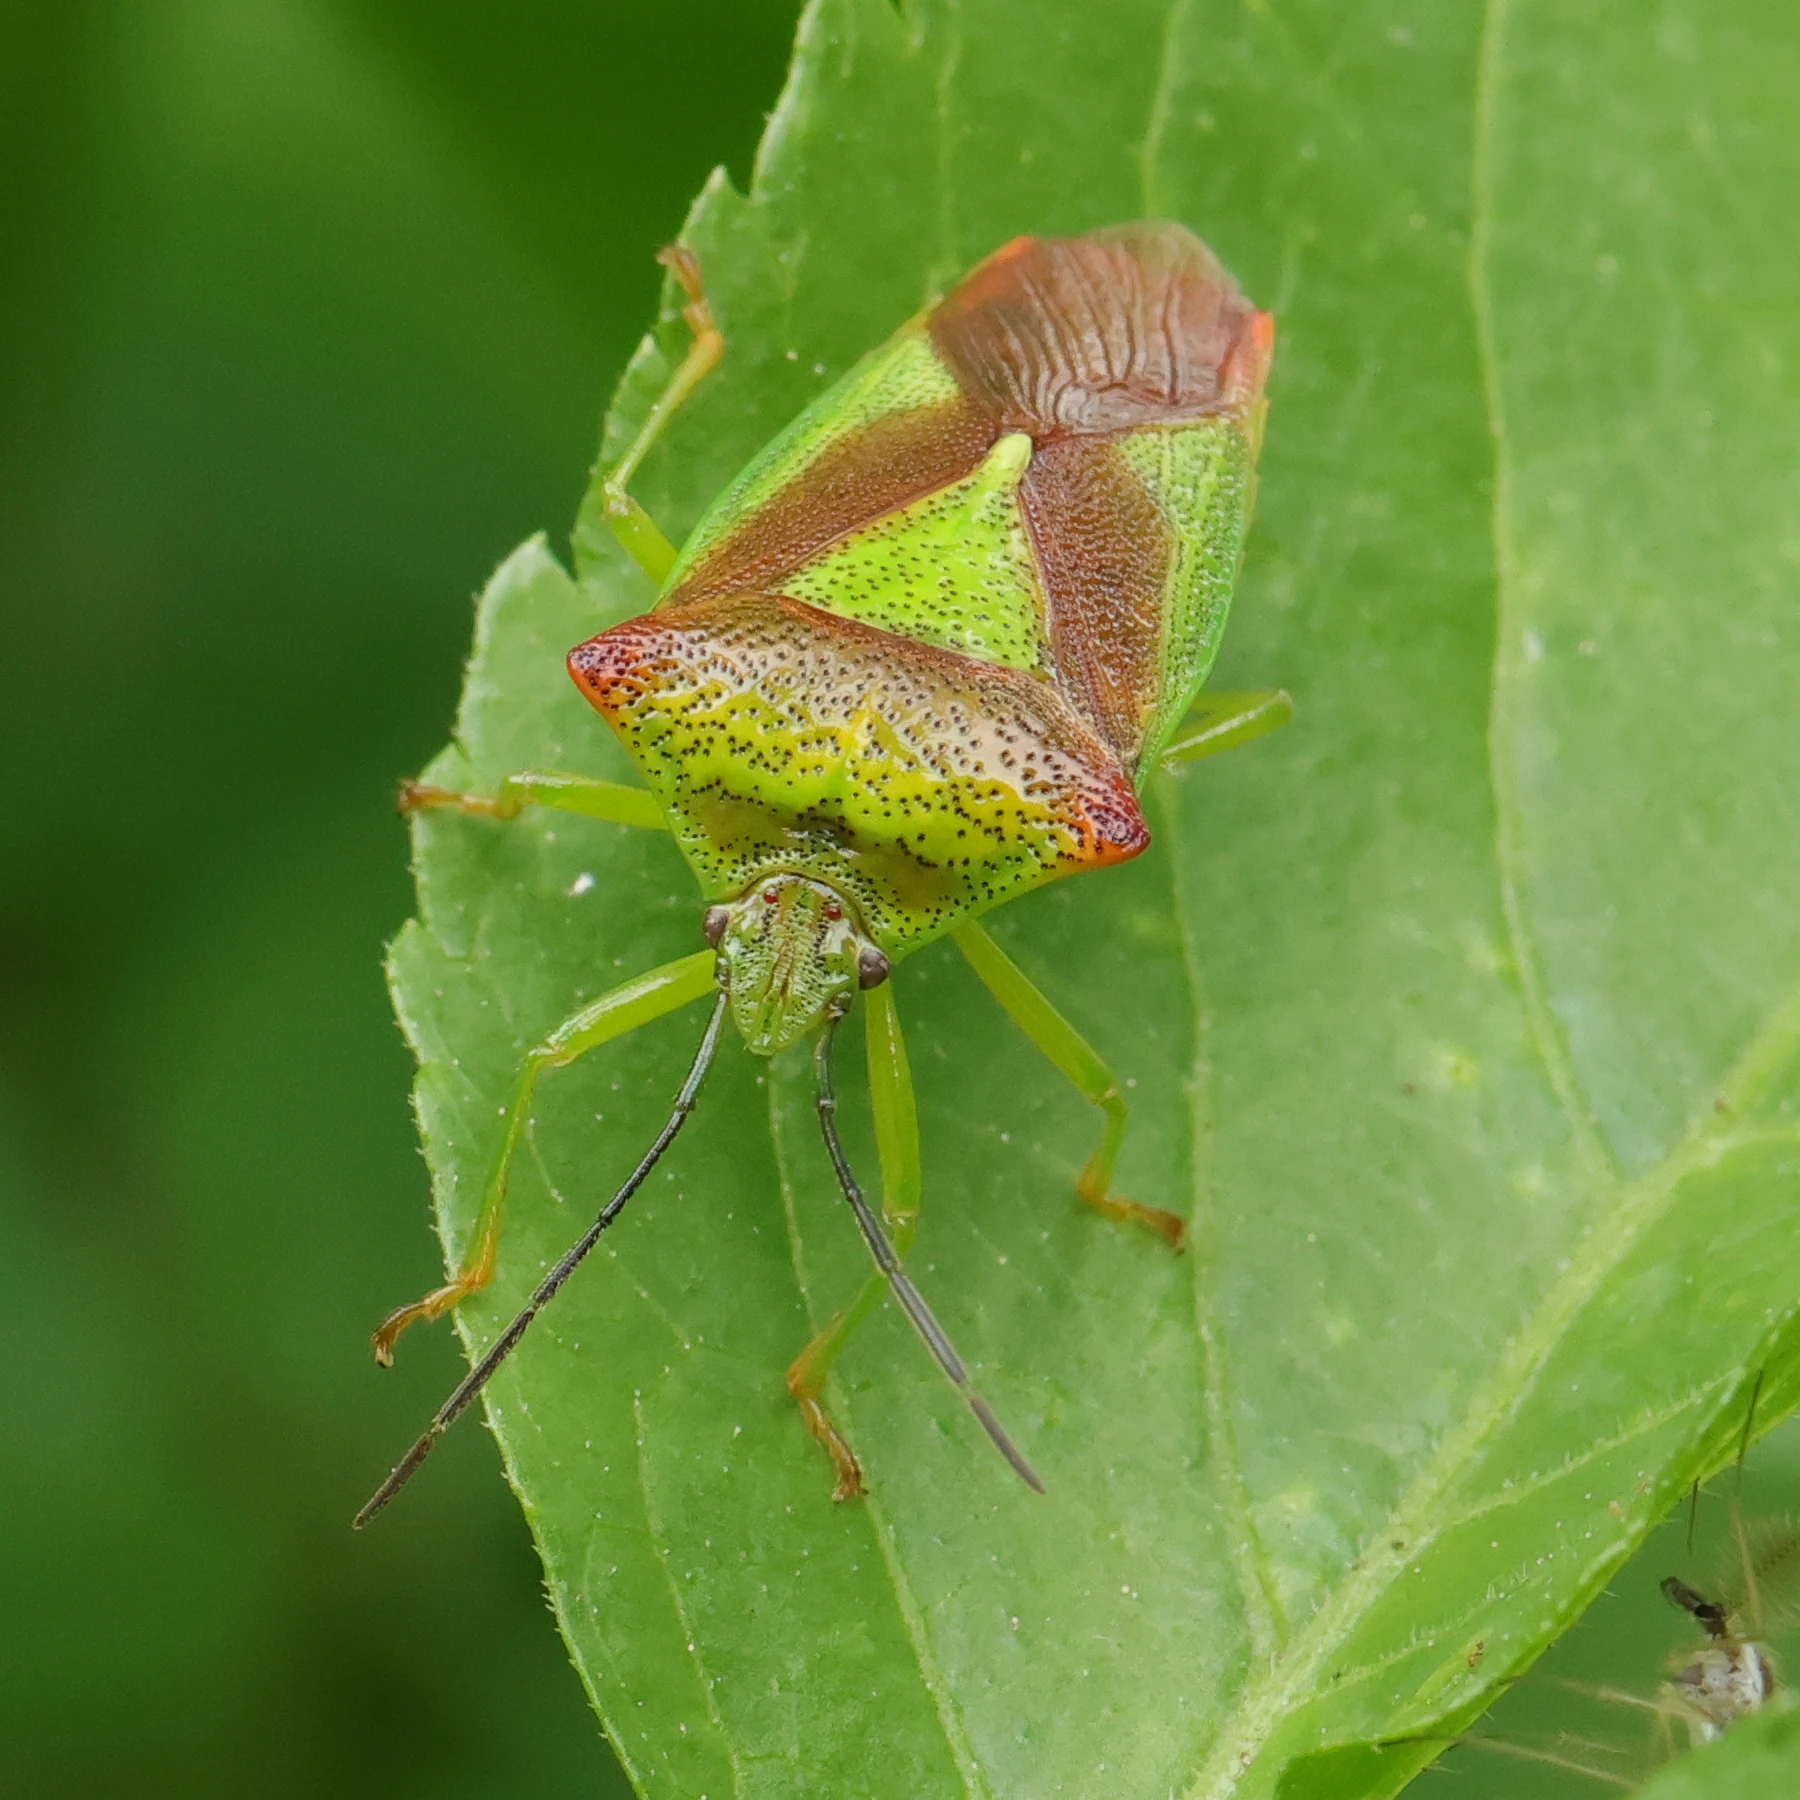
<point>919,658</point>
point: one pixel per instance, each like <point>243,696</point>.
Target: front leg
<point>625,1008</point>
<point>1081,1063</point>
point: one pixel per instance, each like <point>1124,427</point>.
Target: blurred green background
<point>311,308</point>
<point>310,311</point>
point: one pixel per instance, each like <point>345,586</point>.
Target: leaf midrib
<point>1258,1592</point>
<point>659,1546</point>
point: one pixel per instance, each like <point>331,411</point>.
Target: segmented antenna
<point>1713,1615</point>
<point>912,1302</point>
<point>477,1377</point>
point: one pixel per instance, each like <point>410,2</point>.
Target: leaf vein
<point>1644,1425</point>
<point>1251,1569</point>
<point>948,259</point>
<point>1150,205</point>
<point>1545,1030</point>
<point>912,1618</point>
<point>1635,1208</point>
<point>659,1549</point>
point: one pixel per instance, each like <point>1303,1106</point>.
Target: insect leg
<point>1080,1062</point>
<point>625,1008</point>
<point>630,524</point>
<point>470,1387</point>
<point>1749,1574</point>
<point>1223,721</point>
<point>887,1260</point>
<point>897,1149</point>
<point>1531,1753</point>
<point>584,794</point>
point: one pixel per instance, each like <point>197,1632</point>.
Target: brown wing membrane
<point>1076,340</point>
<point>869,474</point>
<point>1137,325</point>
<point>1072,340</point>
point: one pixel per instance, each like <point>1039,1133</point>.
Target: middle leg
<point>1081,1063</point>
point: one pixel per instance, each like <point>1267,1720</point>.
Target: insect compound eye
<point>833,911</point>
<point>771,895</point>
<point>713,925</point>
<point>871,968</point>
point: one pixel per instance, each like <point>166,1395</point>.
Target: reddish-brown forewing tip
<point>988,276</point>
<point>1246,370</point>
<point>1089,336</point>
<point>1115,828</point>
<point>608,663</point>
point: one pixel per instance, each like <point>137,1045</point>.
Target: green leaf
<point>1463,1016</point>
<point>1758,1760</point>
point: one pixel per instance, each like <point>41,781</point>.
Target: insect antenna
<point>911,1300</point>
<point>1713,1615</point>
<point>502,1347</point>
<point>1756,1388</point>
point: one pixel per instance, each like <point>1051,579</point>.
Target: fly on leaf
<point>921,657</point>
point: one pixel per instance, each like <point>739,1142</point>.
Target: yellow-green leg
<point>631,525</point>
<point>584,794</point>
<point>1081,1063</point>
<point>897,1148</point>
<point>625,1008</point>
<point>1223,721</point>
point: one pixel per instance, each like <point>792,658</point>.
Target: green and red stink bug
<point>919,658</point>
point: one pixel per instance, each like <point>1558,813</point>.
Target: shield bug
<point>919,658</point>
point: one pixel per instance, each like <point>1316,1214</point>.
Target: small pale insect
<point>921,657</point>
<point>1730,1677</point>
